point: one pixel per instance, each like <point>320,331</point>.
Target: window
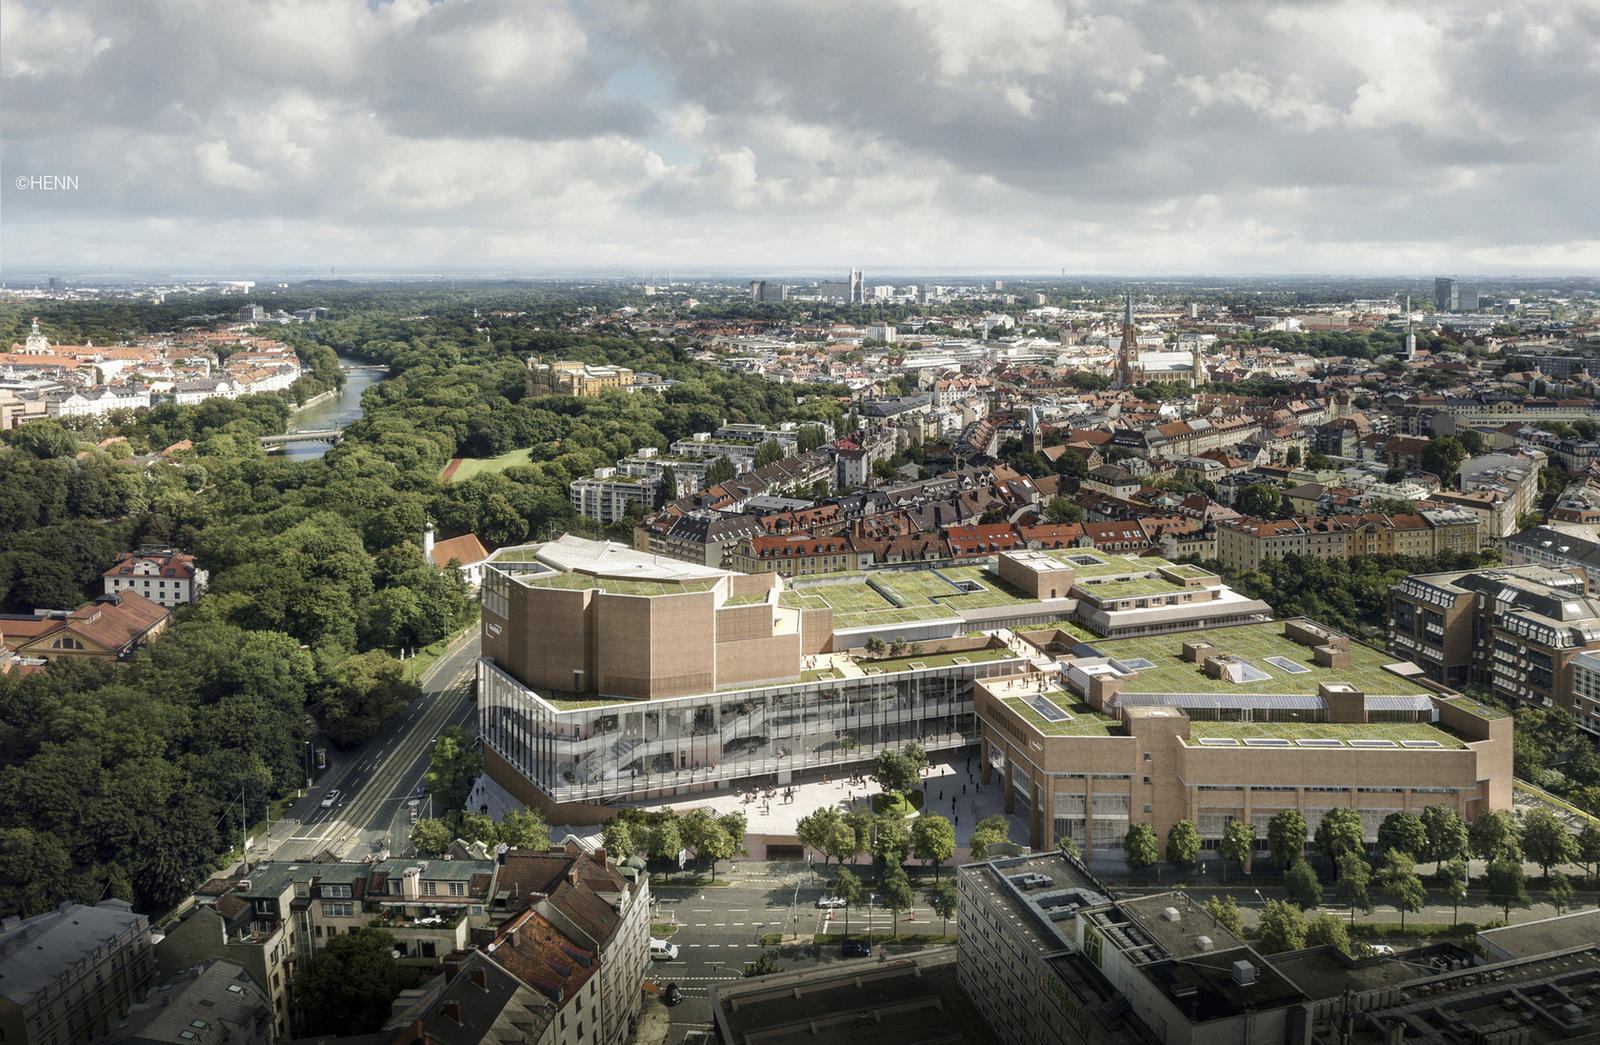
<point>338,910</point>
<point>458,888</point>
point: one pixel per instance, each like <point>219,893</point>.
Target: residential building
<point>1514,630</point>
<point>1230,723</point>
<point>796,555</point>
<point>163,575</point>
<point>477,1000</point>
<point>466,551</point>
<point>573,378</point>
<point>108,629</point>
<point>1560,546</point>
<point>607,496</point>
<point>214,1003</point>
<point>67,976</point>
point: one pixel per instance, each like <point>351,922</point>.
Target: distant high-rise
<point>1411,335</point>
<point>766,290</point>
<point>1444,295</point>
<point>858,287</point>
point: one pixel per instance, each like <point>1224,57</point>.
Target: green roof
<point>1254,643</point>
<point>1085,721</point>
<point>617,586</point>
<point>1129,587</point>
<point>1396,732</point>
<point>755,599</point>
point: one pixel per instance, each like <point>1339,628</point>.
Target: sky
<point>1006,136</point>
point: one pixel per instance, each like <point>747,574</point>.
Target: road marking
<point>713,945</point>
<point>738,924</point>
<point>752,945</point>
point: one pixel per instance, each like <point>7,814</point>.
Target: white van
<point>662,949</point>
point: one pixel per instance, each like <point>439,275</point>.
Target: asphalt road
<point>376,780</point>
<point>720,928</point>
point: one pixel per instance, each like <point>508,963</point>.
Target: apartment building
<point>67,976</point>
<point>1232,723</point>
<point>1560,546</point>
<point>1245,543</point>
<point>213,1003</point>
<point>607,496</point>
<point>1514,630</point>
<point>163,575</point>
<point>573,378</point>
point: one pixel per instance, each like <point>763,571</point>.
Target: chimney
<point>452,1010</point>
<point>427,544</point>
<point>480,976</point>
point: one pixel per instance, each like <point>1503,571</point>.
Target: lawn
<point>1253,642</point>
<point>471,466</point>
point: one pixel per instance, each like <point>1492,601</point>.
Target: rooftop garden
<point>1084,720</point>
<point>1344,732</point>
<point>618,586</point>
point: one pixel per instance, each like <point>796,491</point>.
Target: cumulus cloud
<point>1348,135</point>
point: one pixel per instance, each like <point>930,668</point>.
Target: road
<point>376,780</point>
<point>720,929</point>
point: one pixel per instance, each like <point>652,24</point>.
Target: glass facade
<point>606,751</point>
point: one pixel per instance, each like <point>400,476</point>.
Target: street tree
<point>1404,832</point>
<point>891,839</point>
<point>1280,927</point>
<point>894,892</point>
<point>814,830</point>
<point>1453,877</point>
<point>1400,882</point>
<point>1560,892</point>
<point>715,844</point>
<point>1507,883</point>
<point>431,836</point>
<point>1183,843</point>
<point>942,898</point>
<point>1352,889</point>
<point>1225,912</point>
<point>933,840</point>
<point>524,829</point>
<point>1546,840</point>
<point>765,965</point>
<point>1325,930</point>
<point>665,842</point>
<point>1493,834</point>
<point>1589,845</point>
<point>860,821</point>
<point>1340,834</point>
<point>842,843</point>
<point>1447,833</point>
<point>847,887</point>
<point>1141,846</point>
<point>453,765</point>
<point>692,827</point>
<point>618,839</point>
<point>1286,837</point>
<point>1238,843</point>
<point>991,831</point>
<point>1302,886</point>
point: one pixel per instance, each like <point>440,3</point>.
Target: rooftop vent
<point>1244,973</point>
<point>1170,914</point>
<point>1204,943</point>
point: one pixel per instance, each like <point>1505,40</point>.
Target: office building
<point>1514,630</point>
<point>609,673</point>
<point>766,291</point>
<point>1231,723</point>
<point>68,975</point>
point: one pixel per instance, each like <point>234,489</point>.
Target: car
<point>856,949</point>
<point>830,901</point>
<point>671,995</point>
<point>1382,950</point>
<point>663,949</point>
<point>330,798</point>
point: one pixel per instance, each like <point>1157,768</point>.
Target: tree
<point>1286,837</point>
<point>1327,931</point>
<point>890,839</point>
<point>347,986</point>
<point>847,887</point>
<point>618,839</point>
<point>1447,833</point>
<point>1339,834</point>
<point>1291,457</point>
<point>814,830</point>
<point>1354,879</point>
<point>1183,843</point>
<point>669,484</point>
<point>1589,845</point>
<point>525,829</point>
<point>1404,832</point>
<point>1560,893</point>
<point>1443,456</point>
<point>1259,501</point>
<point>1225,912</point>
<point>715,844</point>
<point>1493,834</point>
<point>1453,876</point>
<point>894,892</point>
<point>1506,882</point>
<point>453,765</point>
<point>1546,839</point>
<point>942,898</point>
<point>1302,886</point>
<point>735,824</point>
<point>1238,843</point>
<point>811,437</point>
<point>720,470</point>
<point>431,836</point>
<point>1141,846</point>
<point>933,840</point>
<point>860,822</point>
<point>843,842</point>
<point>991,831</point>
<point>692,828</point>
<point>1280,927</point>
<point>1401,884</point>
<point>765,965</point>
<point>665,842</point>
<point>769,452</point>
<point>360,694</point>
<point>1059,510</point>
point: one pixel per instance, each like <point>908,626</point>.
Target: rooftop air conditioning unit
<point>1170,914</point>
<point>1204,943</point>
<point>1244,973</point>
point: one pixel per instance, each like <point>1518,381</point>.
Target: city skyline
<point>528,138</point>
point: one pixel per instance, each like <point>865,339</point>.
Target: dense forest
<point>132,782</point>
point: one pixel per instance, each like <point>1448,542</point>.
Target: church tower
<point>1411,335</point>
<point>1128,372</point>
<point>37,344</point>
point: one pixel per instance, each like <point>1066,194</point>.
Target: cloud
<point>1349,135</point>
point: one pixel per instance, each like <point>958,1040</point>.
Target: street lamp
<point>308,765</point>
<point>872,898</point>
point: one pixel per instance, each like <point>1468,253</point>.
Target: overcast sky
<point>987,135</point>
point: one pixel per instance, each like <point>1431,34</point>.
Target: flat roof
<point>619,585</point>
<point>1418,736</point>
<point>1254,643</point>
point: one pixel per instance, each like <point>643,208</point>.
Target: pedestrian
<point>941,795</point>
<point>952,803</point>
<point>958,821</point>
<point>963,788</point>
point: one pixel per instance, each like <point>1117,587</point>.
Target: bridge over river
<point>316,435</point>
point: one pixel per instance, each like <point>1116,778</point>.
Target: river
<point>332,413</point>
